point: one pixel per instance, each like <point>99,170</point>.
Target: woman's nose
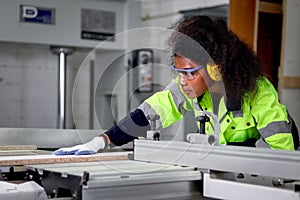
<point>182,80</point>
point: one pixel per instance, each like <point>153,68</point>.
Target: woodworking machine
<point>230,172</point>
<point>112,174</point>
<point>195,169</point>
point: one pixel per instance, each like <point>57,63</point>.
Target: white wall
<point>291,62</point>
<point>28,83</point>
<point>28,86</point>
<point>158,13</point>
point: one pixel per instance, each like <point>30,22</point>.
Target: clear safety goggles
<point>189,74</point>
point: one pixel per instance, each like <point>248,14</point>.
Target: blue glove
<point>88,148</point>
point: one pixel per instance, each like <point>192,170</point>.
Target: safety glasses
<point>189,74</point>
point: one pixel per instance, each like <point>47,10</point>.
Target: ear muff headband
<point>213,72</point>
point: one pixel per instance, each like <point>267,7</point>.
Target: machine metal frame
<point>230,171</point>
<point>119,179</point>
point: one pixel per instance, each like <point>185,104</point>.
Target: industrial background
<point>70,69</point>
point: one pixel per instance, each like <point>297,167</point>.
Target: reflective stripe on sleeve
<point>275,128</point>
<point>147,109</point>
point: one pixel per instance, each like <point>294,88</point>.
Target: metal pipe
<point>62,53</point>
<point>92,92</point>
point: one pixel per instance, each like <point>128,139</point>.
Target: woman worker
<point>206,57</point>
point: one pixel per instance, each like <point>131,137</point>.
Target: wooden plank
<point>268,7</point>
<point>47,159</point>
<point>291,82</point>
<point>23,152</point>
<point>17,147</point>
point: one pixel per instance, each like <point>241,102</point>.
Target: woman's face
<point>192,88</point>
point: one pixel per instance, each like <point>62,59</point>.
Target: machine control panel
<point>143,60</point>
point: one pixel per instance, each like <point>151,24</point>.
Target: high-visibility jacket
<point>260,116</point>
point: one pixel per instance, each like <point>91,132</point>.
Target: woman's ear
<point>213,71</point>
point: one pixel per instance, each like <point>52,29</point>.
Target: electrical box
<point>143,71</point>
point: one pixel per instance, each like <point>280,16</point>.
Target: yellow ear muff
<point>213,72</point>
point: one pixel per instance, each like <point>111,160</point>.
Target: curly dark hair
<point>239,66</point>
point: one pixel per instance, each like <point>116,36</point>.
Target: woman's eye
<point>183,73</point>
<point>194,73</point>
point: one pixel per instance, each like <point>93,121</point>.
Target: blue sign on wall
<point>34,14</point>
